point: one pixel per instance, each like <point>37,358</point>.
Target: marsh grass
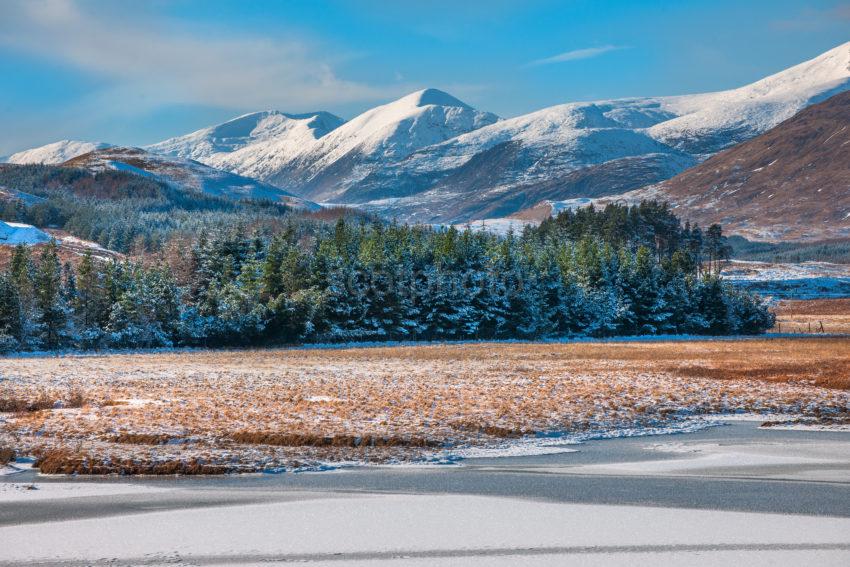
<point>66,461</point>
<point>813,316</point>
<point>255,409</point>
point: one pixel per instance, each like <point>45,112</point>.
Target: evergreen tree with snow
<point>51,309</point>
<point>11,314</point>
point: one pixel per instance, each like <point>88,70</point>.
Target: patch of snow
<point>322,399</point>
<point>57,152</point>
<point>805,280</point>
<point>14,467</point>
<point>41,491</point>
<point>74,241</point>
<point>18,233</point>
<point>569,204</point>
<point>497,226</point>
<point>811,427</point>
<point>563,443</point>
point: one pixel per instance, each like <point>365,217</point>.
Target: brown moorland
<point>208,412</point>
<point>813,316</point>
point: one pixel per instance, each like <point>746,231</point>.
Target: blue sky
<point>137,72</point>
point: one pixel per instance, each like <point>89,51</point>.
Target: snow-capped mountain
<point>186,174</point>
<point>290,132</point>
<point>430,157</point>
<point>330,164</point>
<point>593,149</point>
<point>380,136</point>
<point>57,152</point>
<point>708,123</point>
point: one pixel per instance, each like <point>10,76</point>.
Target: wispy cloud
<point>154,61</point>
<point>811,19</point>
<point>575,55</point>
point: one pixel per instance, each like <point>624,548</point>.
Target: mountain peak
<point>256,124</point>
<point>435,97</point>
<point>235,134</point>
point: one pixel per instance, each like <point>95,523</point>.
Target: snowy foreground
<point>434,530</point>
<point>258,521</point>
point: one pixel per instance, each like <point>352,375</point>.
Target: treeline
<point>834,250</point>
<point>354,281</point>
<point>122,211</point>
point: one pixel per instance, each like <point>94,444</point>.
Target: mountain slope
<point>186,174</point>
<point>711,122</point>
<point>57,152</point>
<point>790,182</point>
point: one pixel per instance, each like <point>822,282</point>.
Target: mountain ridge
<point>429,157</point>
<point>56,152</point>
<point>185,174</point>
<point>468,175</point>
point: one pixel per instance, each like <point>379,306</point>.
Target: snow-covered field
<point>35,492</point>
<point>302,409</point>
<point>805,280</point>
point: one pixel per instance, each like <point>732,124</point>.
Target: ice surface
<point>432,529</point>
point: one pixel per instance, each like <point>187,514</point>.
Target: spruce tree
<point>11,314</point>
<point>52,312</point>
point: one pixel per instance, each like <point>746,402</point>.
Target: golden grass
<point>141,438</point>
<point>838,306</point>
<point>308,440</point>
<point>813,316</point>
<point>38,401</point>
<point>256,409</point>
<point>63,461</point>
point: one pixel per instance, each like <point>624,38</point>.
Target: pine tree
<point>11,314</point>
<point>22,273</point>
<point>90,304</point>
<point>52,312</point>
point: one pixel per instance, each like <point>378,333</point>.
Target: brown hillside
<point>792,182</point>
